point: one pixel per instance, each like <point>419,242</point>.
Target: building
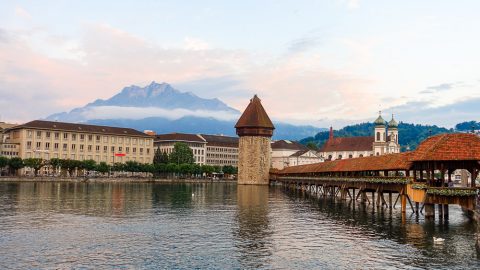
<point>7,149</point>
<point>255,130</point>
<point>166,142</point>
<point>221,150</point>
<point>287,153</point>
<point>385,141</point>
<point>214,150</point>
<point>46,140</point>
<point>386,137</point>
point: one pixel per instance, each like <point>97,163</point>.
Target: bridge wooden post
<point>390,200</point>
<point>404,202</point>
<point>429,211</point>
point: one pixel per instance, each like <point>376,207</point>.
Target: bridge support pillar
<point>445,211</point>
<point>429,211</point>
<point>404,203</point>
<point>440,211</point>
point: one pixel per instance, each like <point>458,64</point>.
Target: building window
<point>64,147</point>
<point>39,134</point>
<point>38,145</point>
<point>112,149</point>
<point>105,149</point>
<point>97,138</point>
<point>65,136</point>
<point>57,135</point>
<point>350,156</point>
<point>378,136</point>
<point>339,156</point>
<point>47,134</point>
<point>89,148</point>
<point>90,138</point>
<point>105,139</point>
<point>120,149</point>
<point>55,146</point>
<point>361,155</point>
<point>97,148</point>
<point>74,137</point>
<point>120,140</point>
<point>81,147</point>
<point>29,134</point>
<point>82,137</point>
<point>378,154</point>
<point>127,149</point>
<point>73,146</point>
<point>113,139</point>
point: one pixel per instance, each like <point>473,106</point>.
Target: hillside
<point>410,135</point>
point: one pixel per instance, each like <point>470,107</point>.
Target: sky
<point>323,63</point>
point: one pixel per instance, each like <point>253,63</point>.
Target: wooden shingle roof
<point>254,116</point>
<point>450,146</point>
<point>400,161</point>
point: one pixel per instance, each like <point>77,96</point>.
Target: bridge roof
<point>447,147</point>
<point>391,162</point>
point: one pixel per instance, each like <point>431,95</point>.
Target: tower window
<point>378,136</point>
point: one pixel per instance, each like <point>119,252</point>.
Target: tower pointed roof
<point>393,123</point>
<point>380,121</point>
<point>254,120</point>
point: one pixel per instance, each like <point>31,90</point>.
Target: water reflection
<point>215,225</point>
<point>253,231</point>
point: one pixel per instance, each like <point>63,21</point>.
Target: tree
<point>89,165</point>
<point>312,146</point>
<point>55,163</point>
<point>3,162</point>
<point>181,154</point>
<point>228,169</point>
<point>35,163</point>
<point>70,165</point>
<point>15,164</point>
<point>102,167</point>
<point>160,157</point>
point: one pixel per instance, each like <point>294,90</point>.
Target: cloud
<point>195,44</point>
<point>438,88</point>
<point>22,13</point>
<point>116,112</point>
<point>447,115</point>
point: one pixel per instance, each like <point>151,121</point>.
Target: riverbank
<point>114,179</point>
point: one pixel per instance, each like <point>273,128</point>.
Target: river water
<point>215,226</point>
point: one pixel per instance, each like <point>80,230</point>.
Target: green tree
<point>15,164</point>
<point>88,165</point>
<point>102,167</point>
<point>228,169</point>
<point>34,163</point>
<point>55,163</point>
<point>3,162</point>
<point>181,154</point>
<point>160,157</point>
<point>312,146</point>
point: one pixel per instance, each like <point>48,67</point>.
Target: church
<point>384,141</point>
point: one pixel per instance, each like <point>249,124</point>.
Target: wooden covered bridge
<point>423,177</point>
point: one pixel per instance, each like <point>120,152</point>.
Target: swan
<point>438,240</point>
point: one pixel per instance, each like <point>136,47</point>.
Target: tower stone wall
<point>254,160</point>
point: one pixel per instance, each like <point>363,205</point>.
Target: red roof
<point>184,137</point>
<point>450,146</point>
<point>389,162</point>
<point>75,127</point>
<point>348,144</point>
<point>254,116</point>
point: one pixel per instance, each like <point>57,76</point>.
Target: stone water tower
<point>255,130</point>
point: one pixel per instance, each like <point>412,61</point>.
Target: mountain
<point>410,135</point>
<point>164,109</point>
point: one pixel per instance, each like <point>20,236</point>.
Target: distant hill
<point>164,109</point>
<point>410,135</point>
<point>467,126</point>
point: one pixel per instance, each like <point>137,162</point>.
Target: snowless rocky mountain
<point>164,109</point>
